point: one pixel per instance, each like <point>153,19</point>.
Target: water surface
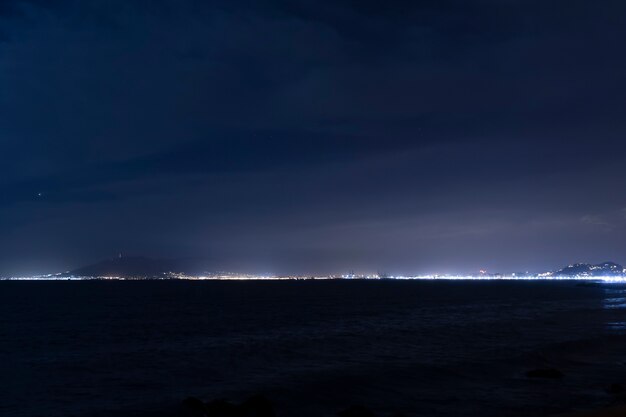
<point>94,348</point>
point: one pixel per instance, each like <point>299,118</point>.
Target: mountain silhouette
<point>131,266</point>
<point>597,270</point>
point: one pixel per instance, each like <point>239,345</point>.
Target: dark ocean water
<point>93,348</point>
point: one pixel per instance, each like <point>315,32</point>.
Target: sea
<point>422,348</point>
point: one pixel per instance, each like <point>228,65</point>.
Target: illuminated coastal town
<point>605,272</point>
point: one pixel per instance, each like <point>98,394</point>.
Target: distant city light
<point>251,277</point>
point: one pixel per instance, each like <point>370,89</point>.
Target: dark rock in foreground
<point>256,406</point>
<point>615,389</point>
<point>356,411</point>
<point>222,408</point>
<point>547,373</point>
<point>192,407</point>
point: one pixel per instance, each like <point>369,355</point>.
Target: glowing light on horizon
<point>250,277</point>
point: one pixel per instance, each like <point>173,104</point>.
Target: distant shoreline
<point>591,280</point>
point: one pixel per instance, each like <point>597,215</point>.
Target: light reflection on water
<point>616,300</point>
<point>615,303</point>
<point>617,326</point>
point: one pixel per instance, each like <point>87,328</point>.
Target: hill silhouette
<point>131,266</point>
<point>581,269</point>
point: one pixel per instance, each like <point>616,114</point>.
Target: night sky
<point>313,136</point>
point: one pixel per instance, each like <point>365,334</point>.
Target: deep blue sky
<point>313,136</point>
